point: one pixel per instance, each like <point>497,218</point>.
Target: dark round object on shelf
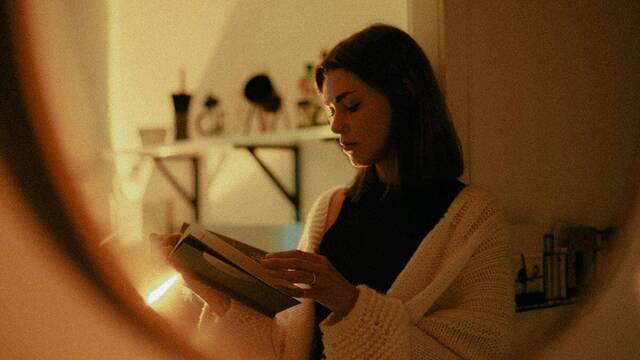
<point>259,90</point>
<point>210,102</point>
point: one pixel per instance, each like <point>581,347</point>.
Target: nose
<point>338,124</point>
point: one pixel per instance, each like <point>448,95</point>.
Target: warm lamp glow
<point>131,190</point>
<point>162,289</point>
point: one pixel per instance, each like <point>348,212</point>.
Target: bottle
<point>181,102</point>
<point>549,267</point>
<point>561,271</point>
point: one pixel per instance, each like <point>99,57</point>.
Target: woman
<point>407,262</point>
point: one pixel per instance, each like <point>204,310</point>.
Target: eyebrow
<point>341,97</point>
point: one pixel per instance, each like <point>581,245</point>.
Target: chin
<point>358,162</point>
<point>358,159</point>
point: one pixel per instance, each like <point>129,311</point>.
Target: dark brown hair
<point>422,139</point>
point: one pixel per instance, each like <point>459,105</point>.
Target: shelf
<point>192,150</point>
<point>198,146</point>
<point>536,300</point>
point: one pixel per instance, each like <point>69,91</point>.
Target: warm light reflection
<point>162,289</point>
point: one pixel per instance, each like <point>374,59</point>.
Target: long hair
<point>423,141</point>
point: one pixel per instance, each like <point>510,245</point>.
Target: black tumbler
<point>181,106</point>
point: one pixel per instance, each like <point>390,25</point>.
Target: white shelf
<point>193,149</point>
<point>201,145</point>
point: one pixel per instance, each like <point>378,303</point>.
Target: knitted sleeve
<point>227,336</point>
<point>470,320</point>
<point>474,316</point>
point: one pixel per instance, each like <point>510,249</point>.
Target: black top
<point>372,239</point>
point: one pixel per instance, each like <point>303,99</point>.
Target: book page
<point>248,250</point>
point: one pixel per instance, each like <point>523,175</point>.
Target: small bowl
<point>152,136</point>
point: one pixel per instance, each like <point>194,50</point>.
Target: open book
<point>231,266</point>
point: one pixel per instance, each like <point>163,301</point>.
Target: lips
<point>348,146</point>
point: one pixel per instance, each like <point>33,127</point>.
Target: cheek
<point>378,135</point>
<point>381,128</point>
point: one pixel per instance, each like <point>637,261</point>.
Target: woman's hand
<point>218,301</point>
<point>324,283</point>
<point>164,242</point>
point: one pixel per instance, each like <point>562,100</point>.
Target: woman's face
<point>360,115</point>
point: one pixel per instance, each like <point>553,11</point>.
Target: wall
<point>536,87</point>
<point>221,44</point>
<point>50,309</point>
<point>545,89</point>
<point>607,326</point>
<point>70,42</point>
<point>542,94</point>
<point>426,25</point>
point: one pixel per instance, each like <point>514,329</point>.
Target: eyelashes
<point>353,108</point>
<point>331,112</point>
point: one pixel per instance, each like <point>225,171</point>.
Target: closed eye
<point>353,108</point>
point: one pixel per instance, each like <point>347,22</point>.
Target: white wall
<point>69,41</point>
<point>221,44</point>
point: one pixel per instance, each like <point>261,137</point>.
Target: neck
<point>385,170</point>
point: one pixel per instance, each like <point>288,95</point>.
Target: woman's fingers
<point>218,301</point>
<point>296,260</point>
<point>324,283</point>
<point>295,276</point>
<point>295,292</point>
<point>296,254</point>
<point>165,239</point>
<point>299,267</point>
<point>290,263</point>
<point>164,242</point>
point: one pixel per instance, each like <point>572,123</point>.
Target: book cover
<point>231,266</point>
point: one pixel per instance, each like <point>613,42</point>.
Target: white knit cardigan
<point>454,299</point>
